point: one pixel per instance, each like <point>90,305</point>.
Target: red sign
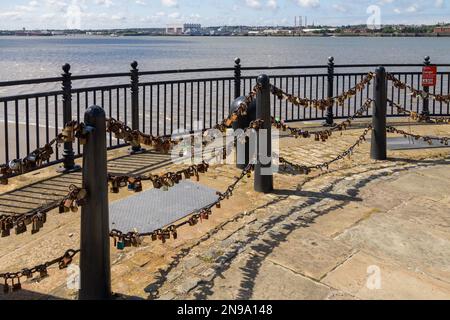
<point>429,77</point>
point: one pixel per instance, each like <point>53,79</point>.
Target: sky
<point>97,14</point>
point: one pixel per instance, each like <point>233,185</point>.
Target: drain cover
<point>402,143</point>
<point>154,209</point>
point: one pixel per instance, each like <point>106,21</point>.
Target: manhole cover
<point>154,209</point>
<point>402,143</point>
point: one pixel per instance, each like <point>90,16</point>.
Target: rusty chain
<point>35,159</point>
<point>323,135</point>
<point>304,169</point>
<point>415,93</point>
<point>417,116</point>
<point>428,139</point>
<point>170,179</point>
<point>12,279</point>
<point>323,104</point>
<point>38,217</point>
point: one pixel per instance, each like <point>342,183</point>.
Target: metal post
<point>330,117</point>
<point>95,269</point>
<point>426,89</point>
<point>136,148</point>
<point>237,78</point>
<point>263,168</point>
<point>68,154</point>
<point>378,147</point>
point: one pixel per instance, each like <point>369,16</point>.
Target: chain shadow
<point>263,250</point>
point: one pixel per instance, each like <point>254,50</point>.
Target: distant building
<point>442,30</point>
<point>178,29</point>
<point>175,29</point>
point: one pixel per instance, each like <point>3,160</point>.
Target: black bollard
<point>95,270</point>
<point>263,168</point>
<point>379,144</point>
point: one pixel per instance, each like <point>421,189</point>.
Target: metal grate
<point>402,143</point>
<point>153,209</point>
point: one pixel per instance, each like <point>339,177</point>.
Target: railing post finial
<point>330,91</point>
<point>426,89</point>
<point>135,146</point>
<point>237,78</point>
<point>68,154</point>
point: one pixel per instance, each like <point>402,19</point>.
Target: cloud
<point>439,4</point>
<point>106,3</point>
<point>254,4</point>
<point>412,8</point>
<point>174,15</point>
<point>141,2</point>
<point>272,4</point>
<point>339,7</point>
<point>308,3</point>
<point>169,3</point>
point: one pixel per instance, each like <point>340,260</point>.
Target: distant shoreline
<point>335,35</point>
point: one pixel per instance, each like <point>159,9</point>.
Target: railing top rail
<point>200,70</point>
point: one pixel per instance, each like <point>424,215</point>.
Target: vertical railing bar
<point>171,108</point>
<point>151,109</point>
<point>274,99</point>
<point>157,109</point>
<point>323,94</point>
<point>178,105</point>
<point>185,104</point>
<point>210,102</point>
<point>5,114</point>
<point>37,122</point>
<point>204,104</point>
<point>27,123</point>
<point>281,101</point>
<point>110,114</point>
<point>125,99</point>
<point>165,109</point>
<point>417,100</point>
<point>56,126</point>
<point>229,96</point>
<point>223,99</point>
<point>94,94</point>
<point>304,95</point>
<point>198,103</point>
<point>217,101</point>
<point>144,129</point>
<point>16,104</point>
<point>310,94</point>
<point>47,133</point>
<point>191,116</point>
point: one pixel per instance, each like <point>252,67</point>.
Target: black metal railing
<point>159,102</point>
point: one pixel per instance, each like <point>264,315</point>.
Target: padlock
<point>154,236</point>
<point>61,207</point>
<point>68,204</point>
<point>4,181</point>
<point>173,230</point>
<point>27,273</point>
<point>43,273</point>
<point>6,286</point>
<point>120,244</point>
<point>68,134</point>
<point>81,197</point>
<point>138,186</point>
<point>16,285</point>
<point>20,227</point>
<point>36,226</point>
<point>115,186</point>
<point>65,262</point>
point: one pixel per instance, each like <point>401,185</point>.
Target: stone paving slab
<point>396,282</point>
<point>310,254</point>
